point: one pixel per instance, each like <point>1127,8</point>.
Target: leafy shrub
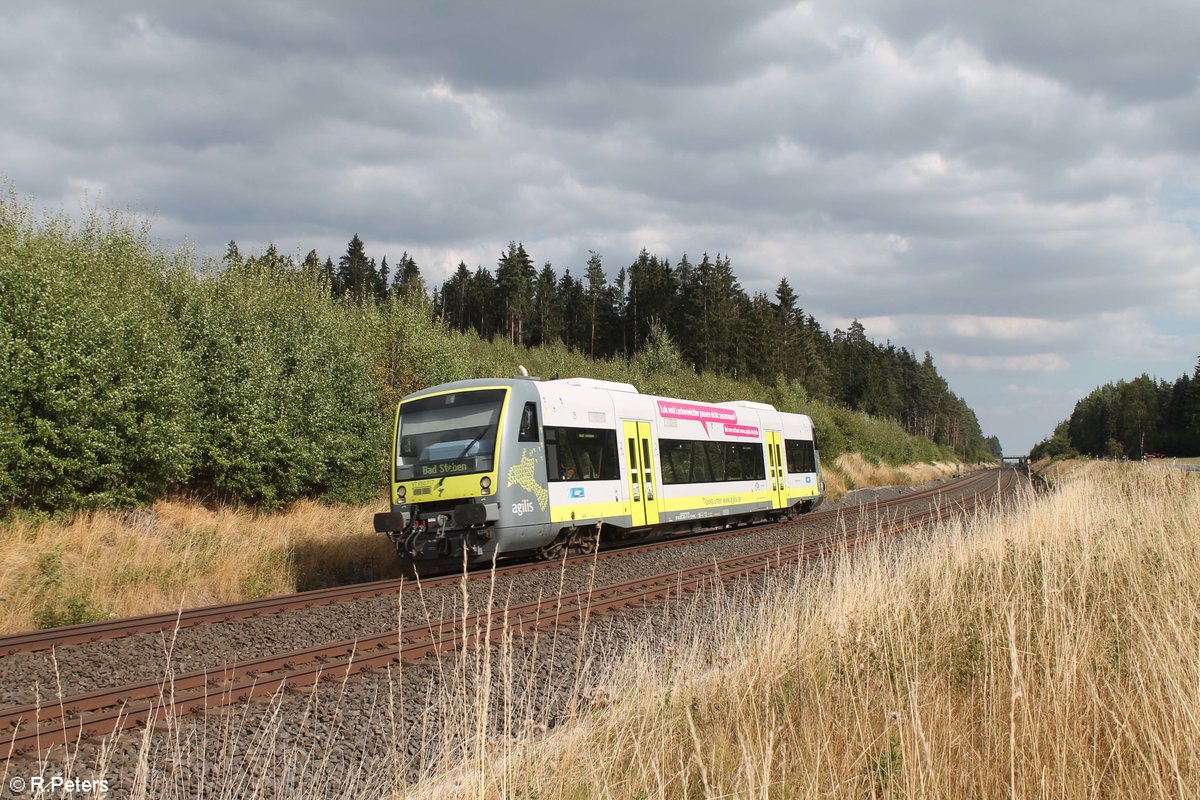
<point>285,403</point>
<point>408,349</point>
<point>74,609</point>
<point>659,356</point>
<point>94,397</point>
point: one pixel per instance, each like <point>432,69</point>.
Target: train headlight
<point>485,484</point>
<point>401,492</point>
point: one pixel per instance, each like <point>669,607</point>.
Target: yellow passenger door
<point>778,472</point>
<point>640,474</point>
<point>646,460</point>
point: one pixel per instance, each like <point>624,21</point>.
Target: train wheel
<point>553,551</point>
<point>588,542</point>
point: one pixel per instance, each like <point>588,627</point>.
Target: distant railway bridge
<point>1020,462</point>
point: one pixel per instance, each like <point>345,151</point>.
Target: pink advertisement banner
<point>743,431</point>
<point>671,409</point>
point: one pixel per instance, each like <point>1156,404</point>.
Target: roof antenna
<point>523,372</point>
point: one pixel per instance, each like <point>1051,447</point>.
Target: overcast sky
<point>1012,186</point>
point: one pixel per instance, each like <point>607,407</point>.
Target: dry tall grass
<point>1053,652</point>
<point>852,471</point>
<point>179,554</point>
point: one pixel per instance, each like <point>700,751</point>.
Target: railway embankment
<point>1046,650</point>
<point>422,715</point>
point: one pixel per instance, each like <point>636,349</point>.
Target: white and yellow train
<point>496,468</point>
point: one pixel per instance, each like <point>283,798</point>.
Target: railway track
<point>29,729</point>
<point>46,639</point>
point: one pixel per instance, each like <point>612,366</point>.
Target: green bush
<point>286,405</point>
<point>94,395</point>
<point>408,349</point>
<point>74,609</point>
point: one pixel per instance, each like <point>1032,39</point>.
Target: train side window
<point>668,469</point>
<point>568,469</point>
<point>676,457</point>
<point>529,424</point>
<point>700,469</point>
<point>582,454</point>
<point>716,460</point>
<point>733,462</point>
<point>685,461</point>
<point>752,457</point>
<point>801,455</point>
<point>552,467</point>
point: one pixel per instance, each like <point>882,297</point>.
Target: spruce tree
<point>729,304</point>
<point>454,296</point>
<point>574,310</point>
<point>786,329</point>
<point>332,279</point>
<point>549,307</point>
<point>311,268</point>
<point>514,284</point>
<point>233,256</point>
<point>381,281</point>
<point>356,272</point>
<point>484,314</point>
<point>408,281</point>
<point>596,283</point>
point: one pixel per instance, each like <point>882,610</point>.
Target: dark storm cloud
<point>987,182</point>
<point>484,45</point>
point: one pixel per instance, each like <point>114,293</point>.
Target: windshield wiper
<point>471,443</point>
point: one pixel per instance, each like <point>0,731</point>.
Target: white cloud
<point>1015,390</point>
<point>1035,362</point>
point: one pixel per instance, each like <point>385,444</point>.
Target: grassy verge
<point>1048,651</point>
<point>1054,652</point>
<point>179,554</point>
<point>852,471</point>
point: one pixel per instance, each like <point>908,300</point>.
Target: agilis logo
<point>522,508</point>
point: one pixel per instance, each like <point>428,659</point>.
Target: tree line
<point>133,373</point>
<point>702,307</point>
<point>1130,419</point>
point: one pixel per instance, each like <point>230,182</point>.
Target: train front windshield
<point>448,434</point>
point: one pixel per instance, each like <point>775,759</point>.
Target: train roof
<point>593,383</point>
<point>567,384</point>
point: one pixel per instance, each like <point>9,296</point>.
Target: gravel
<point>45,676</point>
<point>392,723</point>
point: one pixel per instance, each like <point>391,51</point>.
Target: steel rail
<point>36,728</point>
<point>45,639</point>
